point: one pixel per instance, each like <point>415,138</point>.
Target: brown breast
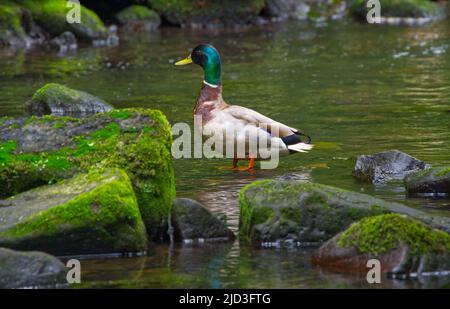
<point>208,99</point>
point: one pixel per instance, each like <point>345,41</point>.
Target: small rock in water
<point>64,42</point>
<point>402,245</point>
<point>386,165</point>
<point>194,223</point>
<point>55,99</point>
<point>30,269</point>
<point>432,182</point>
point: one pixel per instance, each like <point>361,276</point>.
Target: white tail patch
<point>300,147</point>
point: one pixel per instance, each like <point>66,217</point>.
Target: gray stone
<point>55,99</point>
<point>274,211</point>
<point>30,269</point>
<point>385,166</point>
<point>192,221</point>
<point>433,182</point>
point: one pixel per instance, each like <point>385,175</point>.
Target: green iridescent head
<point>208,58</point>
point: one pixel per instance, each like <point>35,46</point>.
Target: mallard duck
<point>218,117</point>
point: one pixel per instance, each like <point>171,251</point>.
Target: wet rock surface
<point>138,18</point>
<point>64,42</point>
<point>385,166</point>
<point>402,245</point>
<point>193,222</point>
<point>30,269</point>
<point>432,182</point>
<point>90,213</point>
<point>37,151</point>
<point>301,213</point>
<point>55,99</point>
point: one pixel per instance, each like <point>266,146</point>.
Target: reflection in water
<point>228,266</point>
<point>355,89</point>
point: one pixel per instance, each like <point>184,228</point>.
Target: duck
<point>213,116</point>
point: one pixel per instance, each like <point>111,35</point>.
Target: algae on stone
<point>272,211</point>
<point>51,15</point>
<point>60,100</point>
<point>89,213</point>
<point>191,13</point>
<point>379,234</point>
<point>37,151</point>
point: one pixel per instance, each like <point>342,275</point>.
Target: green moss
<point>397,8</point>
<point>379,234</point>
<point>442,172</point>
<point>11,17</point>
<point>51,15</point>
<point>142,149</point>
<point>119,114</point>
<point>6,152</point>
<point>137,13</point>
<point>246,211</point>
<point>109,212</point>
<point>185,10</point>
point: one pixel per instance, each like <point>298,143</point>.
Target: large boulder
<point>138,18</point>
<point>30,269</point>
<point>89,213</point>
<point>51,15</point>
<point>396,12</point>
<point>287,212</point>
<point>37,151</point>
<point>12,32</point>
<point>402,245</point>
<point>55,99</point>
<point>213,13</point>
<point>193,222</point>
<point>385,166</point>
<point>17,29</point>
<point>433,182</point>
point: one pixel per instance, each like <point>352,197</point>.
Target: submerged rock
<point>55,99</point>
<point>297,213</point>
<point>386,165</point>
<point>403,246</point>
<point>433,182</point>
<point>38,150</point>
<point>90,213</point>
<point>208,14</point>
<point>138,18</point>
<point>30,269</point>
<point>401,12</point>
<point>192,221</point>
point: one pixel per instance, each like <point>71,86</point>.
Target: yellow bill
<point>185,61</point>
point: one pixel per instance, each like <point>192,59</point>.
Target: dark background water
<point>356,89</point>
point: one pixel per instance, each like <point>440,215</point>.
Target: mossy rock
<point>194,13</point>
<point>30,270</point>
<point>89,213</point>
<point>402,245</point>
<point>52,16</point>
<point>137,13</point>
<point>12,32</point>
<point>432,182</point>
<point>39,150</point>
<point>397,8</point>
<point>289,211</point>
<point>55,99</point>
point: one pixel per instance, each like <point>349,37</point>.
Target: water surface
<point>356,89</point>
